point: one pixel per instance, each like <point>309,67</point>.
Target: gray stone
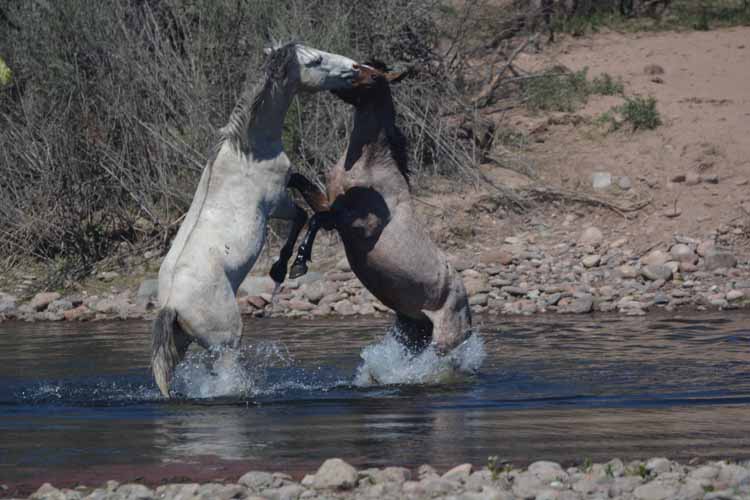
<point>733,295</point>
<point>526,485</point>
<point>7,303</point>
<point>134,491</point>
<point>256,285</point>
<point>257,480</point>
<point>437,486</point>
<point>314,292</point>
<point>548,471</point>
<point>42,300</point>
<point>478,300</point>
<point>658,465</point>
<point>655,490</point>
<point>656,257</point>
<point>591,236</point>
<point>707,472</point>
<point>344,308</point>
<point>601,180</point>
<point>286,492</point>
<point>656,272</point>
<point>683,253</point>
<point>514,290</point>
<point>579,305</point>
<point>591,260</point>
<point>59,306</point>
<point>624,182</point>
<point>733,476</point>
<point>48,492</point>
<point>335,474</point>
<point>300,305</point>
<point>177,491</point>
<point>487,493</point>
<point>627,271</point>
<point>716,258</point>
<point>458,473</point>
<point>623,485</point>
<point>475,286</point>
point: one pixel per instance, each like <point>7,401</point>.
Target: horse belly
<point>404,269</point>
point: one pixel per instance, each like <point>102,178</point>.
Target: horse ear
<point>268,51</point>
<point>396,76</point>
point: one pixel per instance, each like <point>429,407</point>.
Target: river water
<point>78,398</point>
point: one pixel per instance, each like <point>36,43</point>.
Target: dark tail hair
<point>164,352</point>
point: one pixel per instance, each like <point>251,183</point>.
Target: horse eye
<point>315,62</point>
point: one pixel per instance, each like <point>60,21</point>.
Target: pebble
<point>656,272</point>
<point>591,236</point>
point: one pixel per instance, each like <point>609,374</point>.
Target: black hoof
<point>278,272</point>
<point>298,269</point>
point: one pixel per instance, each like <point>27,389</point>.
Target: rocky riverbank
<point>654,479</point>
<point>567,272</point>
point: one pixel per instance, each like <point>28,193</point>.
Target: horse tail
<point>164,352</point>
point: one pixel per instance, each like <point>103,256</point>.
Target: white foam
<point>223,372</point>
<point>389,362</point>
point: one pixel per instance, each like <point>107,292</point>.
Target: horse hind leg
<point>452,322</point>
<point>414,334</point>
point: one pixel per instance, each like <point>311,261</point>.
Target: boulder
<point>335,474</point>
<point>42,300</point>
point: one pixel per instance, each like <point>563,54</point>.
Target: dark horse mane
<point>396,140</point>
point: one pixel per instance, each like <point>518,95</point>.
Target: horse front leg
<point>326,220</point>
<point>287,210</point>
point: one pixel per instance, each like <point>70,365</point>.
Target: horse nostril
<point>355,66</point>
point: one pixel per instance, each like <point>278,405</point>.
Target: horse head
<point>311,69</point>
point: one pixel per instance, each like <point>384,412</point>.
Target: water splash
<point>105,392</point>
<point>223,372</point>
<point>389,362</point>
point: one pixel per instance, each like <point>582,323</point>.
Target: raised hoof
<point>298,269</point>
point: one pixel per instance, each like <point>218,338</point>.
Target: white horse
<point>243,185</point>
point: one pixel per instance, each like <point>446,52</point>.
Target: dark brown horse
<point>369,204</point>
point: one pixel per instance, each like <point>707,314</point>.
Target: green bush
<point>641,113</point>
<point>6,75</point>
<point>557,91</point>
<point>604,84</point>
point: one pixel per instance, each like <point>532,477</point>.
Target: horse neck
<point>372,120</point>
<point>257,121</point>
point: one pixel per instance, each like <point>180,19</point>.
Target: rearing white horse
<point>243,185</point>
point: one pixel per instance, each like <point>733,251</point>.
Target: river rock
<point>656,272</point>
<point>257,481</point>
<point>476,285</point>
<point>627,271</point>
<point>256,285</point>
<point>591,236</point>
<point>59,306</point>
<point>314,292</point>
<point>716,258</point>
<point>7,303</point>
<point>458,473</point>
<point>108,276</point>
<point>655,258</point>
<point>478,300</point>
<point>683,253</point>
<point>286,492</point>
<point>335,474</point>
<point>494,257</point>
<point>48,492</point>
<point>339,276</point>
<point>134,491</point>
<point>655,490</point>
<point>344,308</point>
<point>300,305</point>
<point>733,476</point>
<point>591,260</point>
<point>601,180</point>
<point>733,295</point>
<point>578,305</point>
<point>185,491</point>
<point>80,313</point>
<point>704,246</point>
<point>658,465</point>
<point>42,300</point>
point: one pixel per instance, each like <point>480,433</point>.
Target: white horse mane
<point>274,71</point>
